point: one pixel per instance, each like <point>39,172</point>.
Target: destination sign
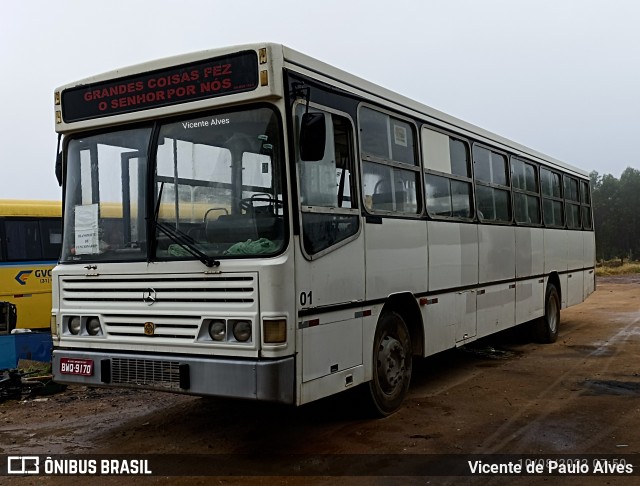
<point>210,78</point>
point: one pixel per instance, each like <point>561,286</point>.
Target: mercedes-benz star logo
<point>149,296</point>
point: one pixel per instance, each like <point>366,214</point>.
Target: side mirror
<point>59,168</point>
<point>313,135</point>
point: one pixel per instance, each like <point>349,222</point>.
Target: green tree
<point>615,213</point>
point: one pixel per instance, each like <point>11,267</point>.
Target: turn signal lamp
<point>274,331</point>
<point>54,325</point>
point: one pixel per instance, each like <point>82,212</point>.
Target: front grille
<point>176,291</point>
<point>146,373</point>
<point>179,328</point>
<point>173,304</point>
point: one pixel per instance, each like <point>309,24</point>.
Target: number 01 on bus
<point>250,222</point>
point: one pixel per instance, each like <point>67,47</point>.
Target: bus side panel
<point>396,257</point>
<point>496,308</point>
<point>453,262</point>
<point>575,250</point>
<point>589,252</point>
<point>330,354</point>
<point>497,257</point>
<point>555,251</point>
<point>497,253</point>
<point>453,255</point>
<point>329,341</point>
<point>331,384</point>
<point>529,252</point>
<point>589,244</point>
<point>28,286</point>
<point>449,319</point>
<point>589,282</point>
<point>575,287</point>
<point>575,279</point>
<point>338,335</point>
<point>529,299</point>
<point>529,264</point>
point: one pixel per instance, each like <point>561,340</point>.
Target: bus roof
<point>313,67</point>
<point>30,208</point>
<point>407,105</point>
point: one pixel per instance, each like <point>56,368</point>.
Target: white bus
<point>250,222</point>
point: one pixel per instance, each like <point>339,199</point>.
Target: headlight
<point>93,326</point>
<point>217,330</point>
<point>242,331</point>
<point>74,325</point>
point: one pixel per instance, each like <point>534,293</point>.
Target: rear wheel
<point>545,329</point>
<point>391,364</point>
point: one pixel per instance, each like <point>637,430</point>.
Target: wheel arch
<point>554,278</point>
<point>404,304</point>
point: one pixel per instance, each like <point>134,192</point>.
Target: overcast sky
<point>559,76</point>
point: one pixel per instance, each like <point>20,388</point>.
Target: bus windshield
<point>217,190</point>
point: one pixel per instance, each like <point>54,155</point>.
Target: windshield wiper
<point>186,242</point>
<point>181,238</point>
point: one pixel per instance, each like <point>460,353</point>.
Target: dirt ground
<point>503,395</point>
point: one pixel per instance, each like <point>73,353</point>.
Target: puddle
<point>613,387</point>
<point>490,352</point>
<point>595,350</point>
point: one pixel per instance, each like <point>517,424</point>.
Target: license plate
<point>76,366</point>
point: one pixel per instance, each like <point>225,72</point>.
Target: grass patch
<point>608,269</point>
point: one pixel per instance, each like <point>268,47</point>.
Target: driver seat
<point>231,228</point>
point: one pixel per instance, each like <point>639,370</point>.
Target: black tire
<point>392,363</point>
<point>545,329</point>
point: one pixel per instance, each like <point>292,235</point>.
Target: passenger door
<point>330,252</point>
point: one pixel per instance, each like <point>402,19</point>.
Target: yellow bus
<point>30,242</point>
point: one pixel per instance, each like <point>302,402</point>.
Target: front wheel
<point>545,329</point>
<point>391,364</point>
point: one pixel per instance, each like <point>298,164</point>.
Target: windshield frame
<point>150,252</point>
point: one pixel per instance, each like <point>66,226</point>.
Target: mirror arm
<point>304,92</point>
<point>58,168</point>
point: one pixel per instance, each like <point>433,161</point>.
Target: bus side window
<point>23,240</point>
<point>526,192</point>
<point>448,175</point>
<point>492,185</point>
<point>390,172</point>
<point>552,203</point>
<point>327,184</point>
<point>51,235</point>
<point>585,202</point>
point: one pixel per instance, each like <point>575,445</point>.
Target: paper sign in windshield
<point>86,227</point>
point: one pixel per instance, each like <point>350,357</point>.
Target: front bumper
<point>269,380</point>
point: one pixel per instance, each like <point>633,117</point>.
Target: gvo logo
<point>42,274</point>
<point>22,276</point>
<point>23,464</point>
